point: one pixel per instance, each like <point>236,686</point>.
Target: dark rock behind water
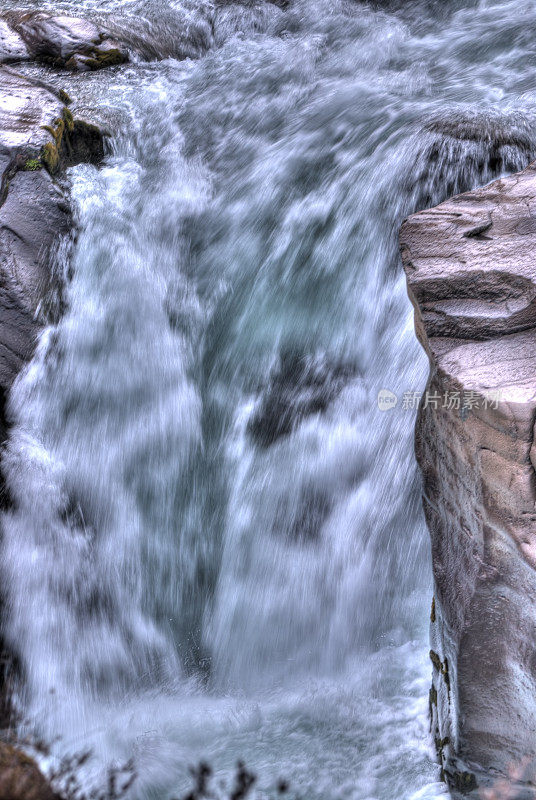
<point>300,386</point>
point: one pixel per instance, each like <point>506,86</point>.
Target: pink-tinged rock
<point>471,272</point>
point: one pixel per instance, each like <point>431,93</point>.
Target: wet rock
<point>472,279</point>
<point>20,778</point>
<point>25,107</point>
<point>301,386</point>
<point>38,138</point>
<point>62,41</point>
<point>83,44</point>
<point>497,130</point>
<point>34,214</point>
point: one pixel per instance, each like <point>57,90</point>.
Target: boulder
<point>61,41</point>
<point>471,275</point>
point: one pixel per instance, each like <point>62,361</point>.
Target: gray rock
<point>82,44</point>
<point>471,276</point>
<point>34,214</point>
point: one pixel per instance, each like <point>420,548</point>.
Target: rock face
<point>471,271</point>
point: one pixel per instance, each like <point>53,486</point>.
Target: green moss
<point>50,157</point>
<point>50,130</point>
<point>68,120</point>
<point>59,130</point>
<point>436,661</point>
<point>432,612</point>
<point>442,668</point>
<point>105,58</point>
<point>64,97</point>
<point>32,165</point>
<point>432,699</point>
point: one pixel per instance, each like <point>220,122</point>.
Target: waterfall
<point>215,548</point>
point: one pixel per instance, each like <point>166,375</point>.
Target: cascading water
<point>216,548</point>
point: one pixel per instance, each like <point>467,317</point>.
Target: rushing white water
<point>185,579</point>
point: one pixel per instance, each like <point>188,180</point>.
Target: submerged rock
<point>300,386</point>
<point>471,277</point>
<point>20,778</point>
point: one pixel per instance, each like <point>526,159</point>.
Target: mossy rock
<point>436,661</point>
<point>463,782</point>
<point>65,97</point>
<point>75,142</point>
<point>50,157</point>
<point>20,778</point>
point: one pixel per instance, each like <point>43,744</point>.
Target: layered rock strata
<point>471,273</point>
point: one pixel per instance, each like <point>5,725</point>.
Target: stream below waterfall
<point>216,549</point>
